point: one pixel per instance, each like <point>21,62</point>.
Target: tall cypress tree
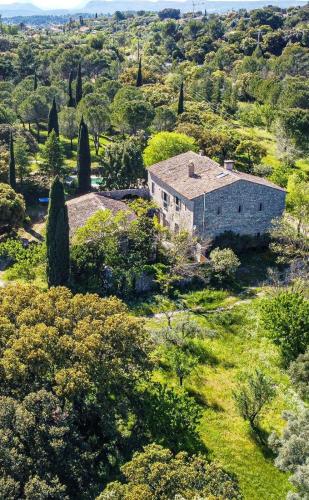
<point>79,84</point>
<point>57,237</point>
<point>139,78</point>
<point>35,82</point>
<point>181,100</point>
<point>53,119</point>
<point>83,159</point>
<point>71,102</point>
<point>12,166</point>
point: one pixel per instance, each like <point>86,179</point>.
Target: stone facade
<point>173,214</point>
<point>244,207</point>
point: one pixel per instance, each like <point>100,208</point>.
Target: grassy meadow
<point>235,345</point>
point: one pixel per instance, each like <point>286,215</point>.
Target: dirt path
<point>210,311</point>
<point>2,282</point>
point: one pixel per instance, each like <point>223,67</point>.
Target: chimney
<point>191,169</point>
<point>229,164</point>
<point>201,152</point>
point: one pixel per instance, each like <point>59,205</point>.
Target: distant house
<point>196,194</point>
<point>83,207</point>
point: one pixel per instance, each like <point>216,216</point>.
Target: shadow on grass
<point>33,233</point>
<point>228,365</point>
<point>201,353</point>
<point>201,400</point>
<point>260,437</point>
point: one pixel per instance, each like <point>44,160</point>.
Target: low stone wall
<point>119,194</point>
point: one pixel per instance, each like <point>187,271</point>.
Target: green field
<point>237,347</point>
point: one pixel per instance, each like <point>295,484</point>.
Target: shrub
<point>12,207</point>
<point>286,318</point>
<point>25,260</point>
<point>299,373</point>
<point>293,451</point>
<point>224,264</point>
<point>156,474</point>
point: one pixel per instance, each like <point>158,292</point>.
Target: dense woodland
<point>200,388</point>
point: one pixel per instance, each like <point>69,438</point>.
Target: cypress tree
<point>57,237</point>
<point>83,159</point>
<point>79,84</point>
<point>35,82</point>
<point>71,102</point>
<point>53,119</point>
<point>217,90</point>
<point>12,166</point>
<point>139,78</point>
<point>181,100</point>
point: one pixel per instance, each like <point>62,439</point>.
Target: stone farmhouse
<point>196,194</point>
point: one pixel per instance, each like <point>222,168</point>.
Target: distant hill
<point>20,9</point>
<point>106,6</point>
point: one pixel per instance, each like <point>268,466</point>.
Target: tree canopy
<point>164,145</point>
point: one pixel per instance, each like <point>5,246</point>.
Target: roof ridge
<point>174,173</point>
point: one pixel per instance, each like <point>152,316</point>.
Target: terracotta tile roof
<point>208,175</point>
<point>83,207</point>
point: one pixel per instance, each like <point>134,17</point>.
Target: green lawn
<point>237,347</point>
<point>70,154</point>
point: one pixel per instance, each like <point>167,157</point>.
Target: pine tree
<point>35,82</point>
<point>83,159</point>
<point>79,85</point>
<point>71,102</point>
<point>57,237</point>
<point>53,119</point>
<point>181,100</point>
<point>52,155</point>
<point>12,168</point>
<point>21,152</point>
<point>139,78</point>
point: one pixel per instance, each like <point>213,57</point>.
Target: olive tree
<point>252,396</point>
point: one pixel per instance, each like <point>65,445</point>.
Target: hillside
<point>154,214</point>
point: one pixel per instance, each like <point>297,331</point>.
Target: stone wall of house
<point>171,217</point>
<point>218,211</point>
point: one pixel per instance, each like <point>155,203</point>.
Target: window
<point>260,207</point>
<point>165,200</point>
<point>239,208</point>
<point>152,187</point>
<point>219,211</point>
<point>177,203</point>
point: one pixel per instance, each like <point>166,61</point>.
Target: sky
<point>47,4</point>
